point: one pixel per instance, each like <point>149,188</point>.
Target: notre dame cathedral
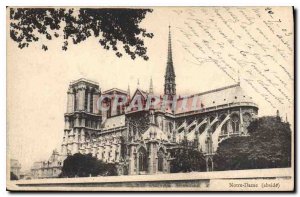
<point>141,140</point>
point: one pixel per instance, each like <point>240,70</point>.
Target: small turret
<point>151,87</point>
<point>278,115</point>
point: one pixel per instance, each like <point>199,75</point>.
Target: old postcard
<point>150,99</point>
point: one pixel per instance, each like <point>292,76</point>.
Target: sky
<point>212,48</point>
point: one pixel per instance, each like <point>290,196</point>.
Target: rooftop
<point>84,80</point>
<point>115,89</point>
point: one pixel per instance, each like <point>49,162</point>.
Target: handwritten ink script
<point>253,45</point>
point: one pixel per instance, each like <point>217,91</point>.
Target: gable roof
<point>115,89</point>
<point>155,133</point>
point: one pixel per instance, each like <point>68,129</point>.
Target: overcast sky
<point>38,80</point>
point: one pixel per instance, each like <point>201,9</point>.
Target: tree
<point>115,28</point>
<point>267,146</point>
<point>85,165</point>
<point>187,159</point>
<point>13,177</point>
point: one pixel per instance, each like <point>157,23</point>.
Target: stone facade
<point>140,141</point>
<point>48,169</point>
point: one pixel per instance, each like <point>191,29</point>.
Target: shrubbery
<point>79,165</point>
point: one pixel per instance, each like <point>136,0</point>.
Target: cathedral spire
<point>151,86</point>
<point>170,85</point>
<point>170,46</point>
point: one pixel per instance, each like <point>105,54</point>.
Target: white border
<point>4,3</point>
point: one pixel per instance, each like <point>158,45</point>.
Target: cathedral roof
<point>114,122</point>
<point>217,97</point>
<point>117,90</point>
<point>84,80</point>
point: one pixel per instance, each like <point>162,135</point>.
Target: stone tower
<point>170,85</point>
<point>82,118</point>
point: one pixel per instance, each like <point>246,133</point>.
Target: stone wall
<point>194,181</point>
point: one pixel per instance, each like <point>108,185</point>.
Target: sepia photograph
<point>150,98</point>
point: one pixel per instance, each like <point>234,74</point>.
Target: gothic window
<point>116,155</point>
<point>71,123</point>
<point>109,109</point>
<point>235,123</point>
<point>91,102</point>
<point>246,117</point>
<point>170,127</point>
<point>86,99</point>
<point>118,110</point>
<point>209,148</point>
<point>75,100</point>
<point>142,160</point>
<point>224,126</point>
<point>160,160</point>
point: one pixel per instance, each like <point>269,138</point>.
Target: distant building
<point>25,175</point>
<point>47,169</point>
<point>15,167</point>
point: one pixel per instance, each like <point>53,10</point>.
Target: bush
<point>268,146</point>
<point>79,165</point>
<point>187,160</point>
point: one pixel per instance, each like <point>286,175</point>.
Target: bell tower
<point>83,118</point>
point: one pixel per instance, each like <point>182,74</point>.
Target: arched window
<point>86,100</point>
<point>91,101</point>
<point>143,164</point>
<point>246,119</point>
<point>224,126</point>
<point>109,108</point>
<point>235,123</point>
<point>161,156</point>
<point>75,100</point>
<point>170,127</point>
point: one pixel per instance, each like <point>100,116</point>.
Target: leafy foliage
<point>13,177</point>
<point>268,146</point>
<point>114,27</point>
<point>85,165</point>
<point>187,159</point>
